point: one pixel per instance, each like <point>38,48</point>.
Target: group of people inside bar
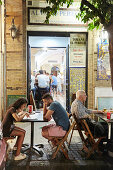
<point>51,109</point>
<point>43,82</point>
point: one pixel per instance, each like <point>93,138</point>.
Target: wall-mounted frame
<point>77,50</point>
<point>103,63</point>
<point>105,102</point>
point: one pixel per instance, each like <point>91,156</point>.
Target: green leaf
<point>95,12</point>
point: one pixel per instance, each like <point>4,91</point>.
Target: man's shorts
<point>54,130</point>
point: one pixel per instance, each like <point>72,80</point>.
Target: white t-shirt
<point>42,81</point>
<point>48,80</point>
<point>32,81</point>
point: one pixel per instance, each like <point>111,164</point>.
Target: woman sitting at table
<point>15,113</point>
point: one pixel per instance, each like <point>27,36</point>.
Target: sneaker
<point>20,157</point>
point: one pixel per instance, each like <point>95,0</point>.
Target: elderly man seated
<point>59,115</point>
<point>97,128</point>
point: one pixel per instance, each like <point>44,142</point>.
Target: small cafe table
<point>36,116</point>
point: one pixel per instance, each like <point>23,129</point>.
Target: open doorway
<point>53,62</point>
<point>49,52</point>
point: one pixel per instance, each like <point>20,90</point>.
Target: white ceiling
<point>48,50</point>
<point>39,41</point>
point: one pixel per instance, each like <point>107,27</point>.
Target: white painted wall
<point>102,92</point>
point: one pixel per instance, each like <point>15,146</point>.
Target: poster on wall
<point>103,63</point>
<point>77,50</point>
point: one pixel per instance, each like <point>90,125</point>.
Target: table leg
<point>36,147</point>
<point>32,134</point>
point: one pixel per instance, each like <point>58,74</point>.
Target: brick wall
<point>92,69</point>
<point>0,60</point>
<point>15,49</point>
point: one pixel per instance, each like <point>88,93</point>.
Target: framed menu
<point>77,50</point>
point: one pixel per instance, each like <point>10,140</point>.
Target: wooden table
<point>36,117</point>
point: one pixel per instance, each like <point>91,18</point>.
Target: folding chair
<point>32,101</point>
<point>60,143</point>
<point>80,130</point>
<point>91,140</point>
<point>74,128</point>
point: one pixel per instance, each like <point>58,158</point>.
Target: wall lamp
<point>13,30</point>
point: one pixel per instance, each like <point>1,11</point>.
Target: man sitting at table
<point>98,129</point>
<point>59,115</point>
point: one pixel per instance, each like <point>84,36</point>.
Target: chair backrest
<point>60,142</point>
<point>32,101</point>
<point>72,124</point>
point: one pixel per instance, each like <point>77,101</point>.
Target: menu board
<point>77,50</point>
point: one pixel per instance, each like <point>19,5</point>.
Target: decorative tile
<point>77,79</point>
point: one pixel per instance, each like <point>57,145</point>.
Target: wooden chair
<point>32,101</point>
<point>60,143</point>
<point>81,133</point>
<point>91,142</point>
<point>74,128</point>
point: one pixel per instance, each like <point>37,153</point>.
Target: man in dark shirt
<point>59,115</point>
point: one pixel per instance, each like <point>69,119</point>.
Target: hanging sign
<point>63,17</point>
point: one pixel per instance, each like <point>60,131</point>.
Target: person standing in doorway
<point>54,84</point>
<point>59,84</point>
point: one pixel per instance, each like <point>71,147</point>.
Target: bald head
<point>80,95</point>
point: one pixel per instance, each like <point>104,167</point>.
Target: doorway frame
<point>58,34</point>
